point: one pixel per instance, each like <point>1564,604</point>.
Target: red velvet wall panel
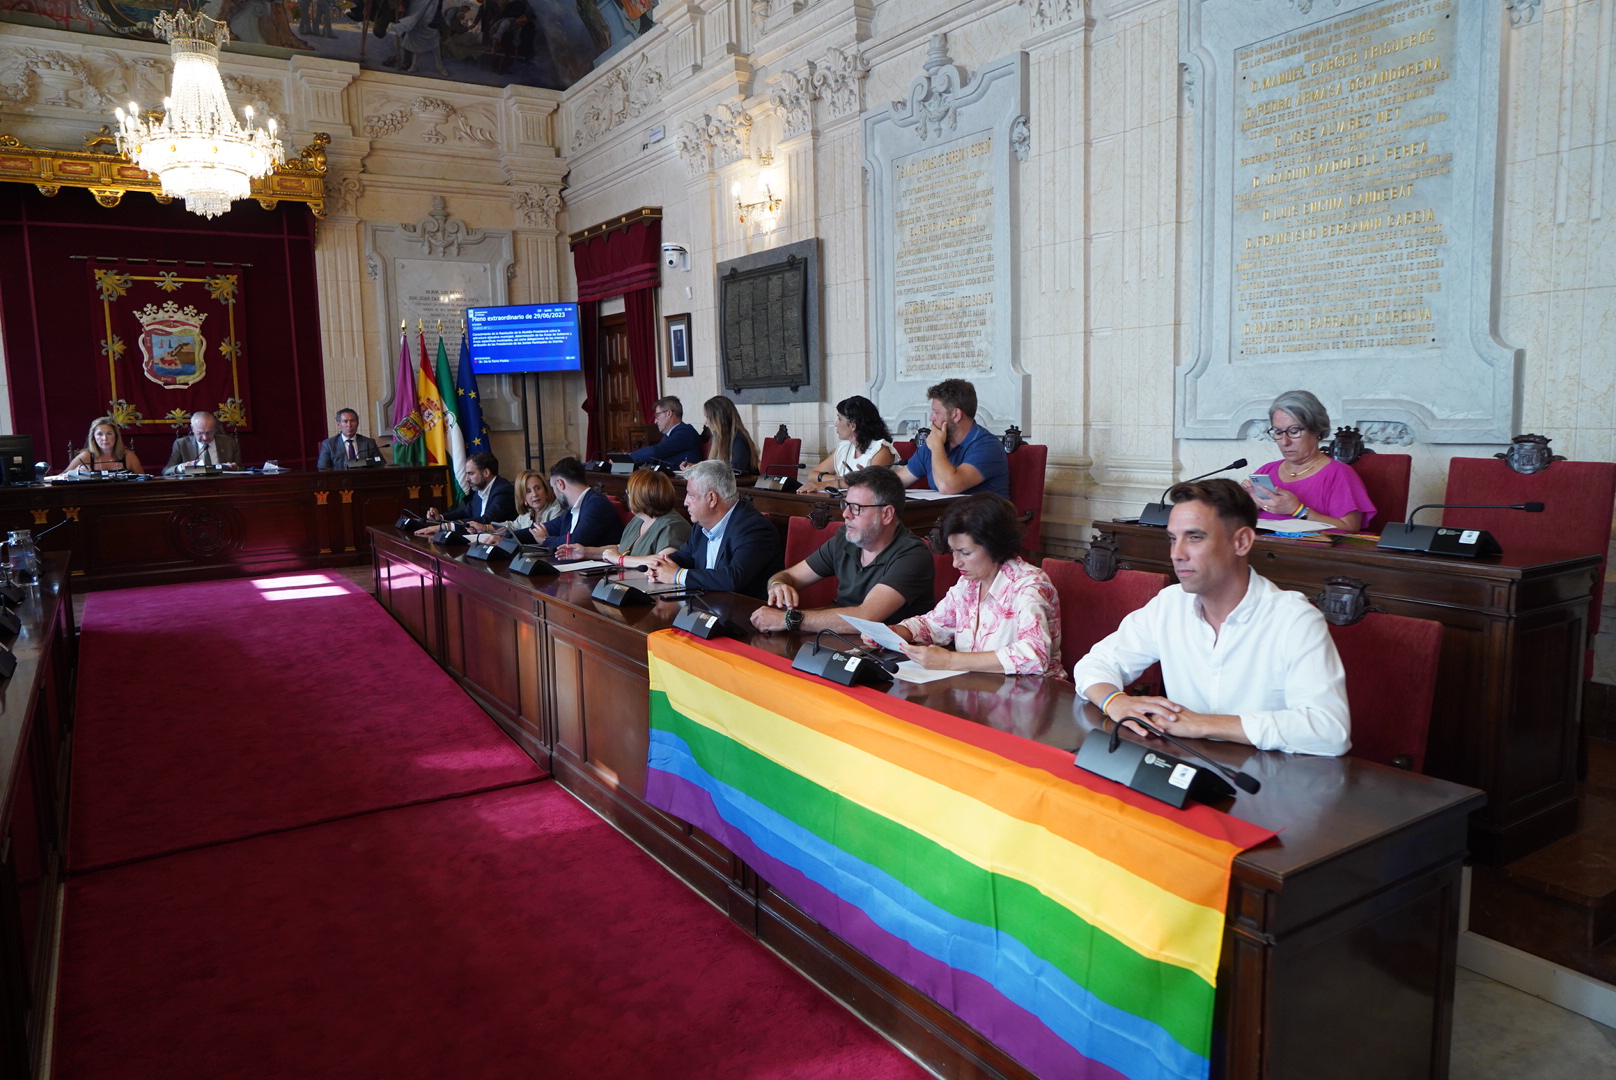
<point>48,312</point>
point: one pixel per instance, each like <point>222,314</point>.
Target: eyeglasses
<point>1293,432</point>
<point>661,412</point>
<point>858,508</point>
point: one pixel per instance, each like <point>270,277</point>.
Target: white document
<point>1294,525</point>
<point>911,672</point>
<point>582,564</point>
<point>925,494</point>
<point>880,633</point>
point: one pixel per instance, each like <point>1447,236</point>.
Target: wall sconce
<point>764,213</point>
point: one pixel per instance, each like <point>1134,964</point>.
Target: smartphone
<point>1264,483</point>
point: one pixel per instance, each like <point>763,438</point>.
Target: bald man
<point>205,445</point>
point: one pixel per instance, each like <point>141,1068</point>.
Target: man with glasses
<point>883,571</point>
<point>679,443</point>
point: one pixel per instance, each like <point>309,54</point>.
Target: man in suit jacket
<point>347,445</point>
<point>205,445</point>
<point>679,443</point>
<point>489,496</point>
<point>733,547</point>
<point>590,521</point>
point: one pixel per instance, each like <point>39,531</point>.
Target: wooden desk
<point>147,532</point>
<point>1509,688</point>
<point>919,515</point>
<point>36,706</point>
<point>1339,954</point>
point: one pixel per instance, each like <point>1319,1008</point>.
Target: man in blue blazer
<point>347,445</point>
<point>591,520</point>
<point>679,443</point>
<point>733,547</point>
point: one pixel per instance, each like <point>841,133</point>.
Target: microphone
<point>1156,512</point>
<point>1243,780</point>
<point>851,668</point>
<point>858,647</point>
<point>1446,540</point>
<point>46,532</point>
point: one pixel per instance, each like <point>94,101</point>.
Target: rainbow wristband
<point>1301,511</point>
<point>1107,702</point>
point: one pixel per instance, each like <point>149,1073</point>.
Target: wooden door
<point>619,403</point>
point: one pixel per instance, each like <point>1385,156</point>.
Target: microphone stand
<point>1156,513</point>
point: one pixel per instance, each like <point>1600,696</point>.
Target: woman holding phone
<point>1306,482</point>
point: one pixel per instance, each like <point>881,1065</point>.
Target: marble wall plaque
<point>942,168</point>
<point>1346,171</point>
<point>433,270</point>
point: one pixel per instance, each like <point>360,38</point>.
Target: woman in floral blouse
<point>1002,615</point>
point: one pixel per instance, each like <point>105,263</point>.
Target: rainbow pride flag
<point>1075,924</point>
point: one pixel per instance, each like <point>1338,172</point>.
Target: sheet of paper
<point>880,633</point>
<point>1293,525</point>
<point>911,672</point>
<point>927,494</point>
<point>582,564</point>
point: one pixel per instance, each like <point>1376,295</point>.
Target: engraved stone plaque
<point>942,178</point>
<point>1345,185</point>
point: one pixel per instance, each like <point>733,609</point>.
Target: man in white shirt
<point>1243,660</point>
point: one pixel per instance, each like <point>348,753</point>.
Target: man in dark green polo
<point>883,571</point>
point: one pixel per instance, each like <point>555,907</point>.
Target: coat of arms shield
<point>173,351</point>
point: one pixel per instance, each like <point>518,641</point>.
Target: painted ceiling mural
<point>548,43</point>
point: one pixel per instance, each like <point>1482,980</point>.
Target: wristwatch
<point>793,619</point>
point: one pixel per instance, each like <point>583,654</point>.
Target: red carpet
<point>506,935</point>
<point>226,709</point>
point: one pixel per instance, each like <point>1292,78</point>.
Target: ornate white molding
<point>1048,14</point>
<point>441,233</point>
<point>793,98</point>
<point>474,125</point>
<point>1021,137</point>
<point>623,94</point>
<point>538,208</point>
<point>930,108</point>
<point>1306,6</point>
<point>718,138</point>
<point>342,193</point>
<point>838,82</point>
<point>1522,12</point>
<point>98,80</point>
<point>1387,433</point>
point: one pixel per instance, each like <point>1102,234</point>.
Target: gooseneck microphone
<point>1243,780</point>
<point>1445,539</point>
<point>1156,513</point>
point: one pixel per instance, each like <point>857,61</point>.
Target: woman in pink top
<point>1002,614</point>
<point>1308,482</point>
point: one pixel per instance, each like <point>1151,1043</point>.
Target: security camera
<point>676,256</point>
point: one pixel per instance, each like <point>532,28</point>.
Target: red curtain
<point>625,262</point>
<point>54,326</point>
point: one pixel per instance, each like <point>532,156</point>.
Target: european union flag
<point>467,405</point>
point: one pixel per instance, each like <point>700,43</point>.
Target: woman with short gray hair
<point>1306,482</point>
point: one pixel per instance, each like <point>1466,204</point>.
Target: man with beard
<point>958,457</point>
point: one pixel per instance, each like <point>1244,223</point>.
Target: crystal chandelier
<point>197,149</point>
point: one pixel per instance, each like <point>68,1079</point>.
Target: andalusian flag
<point>453,433</point>
<point>468,404</point>
<point>409,448</point>
<point>434,423</point>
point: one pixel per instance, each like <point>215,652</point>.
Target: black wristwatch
<point>793,619</point>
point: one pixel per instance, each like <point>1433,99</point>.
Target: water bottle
<point>23,557</point>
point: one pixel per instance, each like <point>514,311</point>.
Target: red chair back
<point>1385,477</point>
<point>943,575</point>
<point>905,449</point>
<point>1391,663</point>
<point>780,457</point>
<point>1027,490</point>
<point>623,513</point>
<point>1578,498</point>
<point>802,540</point>
<point>1091,610</point>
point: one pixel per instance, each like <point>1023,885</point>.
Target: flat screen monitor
<point>524,337</point>
<point>16,459</point>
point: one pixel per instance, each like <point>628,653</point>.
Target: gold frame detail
<point>109,175</point>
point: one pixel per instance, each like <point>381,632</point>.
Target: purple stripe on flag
<point>1019,1033</point>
